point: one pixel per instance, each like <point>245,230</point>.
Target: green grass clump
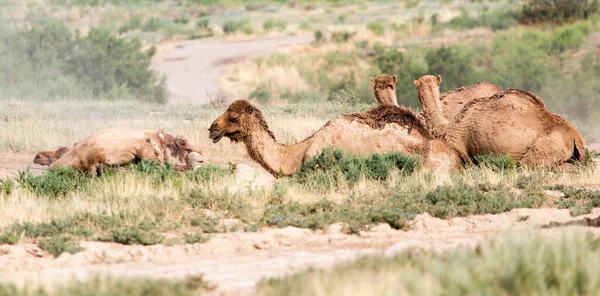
<point>330,167</point>
<point>496,162</point>
<point>244,26</point>
<point>513,266</point>
<point>139,234</point>
<point>103,286</point>
<point>376,27</point>
<point>58,245</point>
<point>274,24</point>
<point>195,238</point>
<point>495,20</point>
<point>55,183</point>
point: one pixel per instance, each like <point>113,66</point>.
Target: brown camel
<point>120,146</point>
<point>513,122</point>
<point>384,87</point>
<point>382,129</point>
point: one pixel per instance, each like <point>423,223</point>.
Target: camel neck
<point>387,97</point>
<point>278,159</point>
<point>432,111</point>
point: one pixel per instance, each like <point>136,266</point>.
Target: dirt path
<point>193,68</point>
<point>235,262</point>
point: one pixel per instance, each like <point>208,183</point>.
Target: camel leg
<point>548,150</point>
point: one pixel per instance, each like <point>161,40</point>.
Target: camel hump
<point>525,94</point>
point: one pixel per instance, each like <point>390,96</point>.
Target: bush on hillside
<point>47,61</point>
<point>557,11</point>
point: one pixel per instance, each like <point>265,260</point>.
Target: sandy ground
<point>236,261</point>
<point>193,68</point>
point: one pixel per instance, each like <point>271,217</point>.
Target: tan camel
<point>513,122</point>
<point>384,87</point>
<point>382,129</point>
<point>120,146</point>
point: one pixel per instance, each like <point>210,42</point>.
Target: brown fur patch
<point>378,117</point>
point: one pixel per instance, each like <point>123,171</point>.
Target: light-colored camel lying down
<point>382,129</point>
<point>514,122</point>
<point>121,146</point>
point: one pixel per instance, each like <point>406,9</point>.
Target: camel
<point>384,87</point>
<point>382,129</point>
<point>451,102</point>
<point>48,157</point>
<point>120,146</point>
<point>513,122</point>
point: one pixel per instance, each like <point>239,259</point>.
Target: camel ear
<point>372,81</point>
<point>417,83</point>
<point>394,78</point>
<point>249,109</point>
<point>439,79</point>
<point>161,136</point>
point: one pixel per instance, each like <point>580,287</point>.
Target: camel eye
<point>233,119</point>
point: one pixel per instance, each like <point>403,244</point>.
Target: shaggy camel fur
<point>513,122</point>
<point>382,129</point>
<point>384,87</point>
<point>117,147</point>
<point>451,102</point>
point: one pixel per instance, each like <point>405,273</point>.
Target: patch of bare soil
<point>193,68</point>
<point>236,261</point>
<point>12,163</point>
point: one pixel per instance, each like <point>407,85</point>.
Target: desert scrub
<point>244,26</point>
<point>58,245</point>
<point>495,20</point>
<point>102,285</point>
<point>48,62</point>
<point>513,266</point>
<point>55,183</point>
<point>579,201</point>
<point>496,162</point>
<point>330,167</point>
<point>274,25</point>
<point>376,27</point>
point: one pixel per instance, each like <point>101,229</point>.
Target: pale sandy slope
<point>194,68</point>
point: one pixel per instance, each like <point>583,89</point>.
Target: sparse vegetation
<point>274,24</point>
<point>555,266</point>
<point>244,26</point>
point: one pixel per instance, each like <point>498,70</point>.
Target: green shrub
<point>411,3</point>
<point>454,64</point>
<point>319,37</point>
<point>9,238</point>
<point>230,27</point>
<point>141,234</point>
<point>6,187</point>
<point>495,20</point>
<point>497,162</point>
<point>195,238</point>
<point>58,245</point>
<point>274,24</point>
<point>556,11</point>
<point>326,168</point>
<point>579,201</point>
<point>48,62</point>
<point>55,183</point>
<point>203,23</point>
<point>376,27</point>
<point>342,37</point>
<point>261,94</point>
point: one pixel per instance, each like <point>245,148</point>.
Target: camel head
<point>48,157</point>
<point>384,87</point>
<point>180,151</point>
<point>238,122</point>
<point>429,83</point>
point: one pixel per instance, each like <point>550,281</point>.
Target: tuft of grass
<point>141,234</point>
<point>579,201</point>
<point>376,27</point>
<point>565,266</point>
<point>496,162</point>
<point>55,183</point>
<point>58,245</point>
<point>195,238</point>
<point>274,24</point>
<point>6,187</point>
<point>330,167</point>
<point>244,26</point>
